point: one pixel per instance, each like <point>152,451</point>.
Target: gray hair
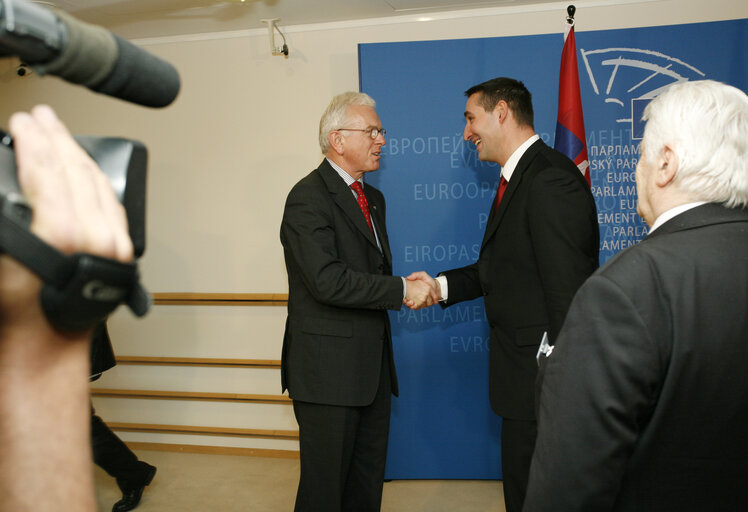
<point>706,124</point>
<point>336,114</point>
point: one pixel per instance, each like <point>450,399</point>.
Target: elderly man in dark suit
<point>644,401</point>
<point>541,243</point>
<point>337,361</point>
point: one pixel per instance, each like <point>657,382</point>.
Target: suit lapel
<point>377,213</point>
<point>343,197</point>
<point>495,217</point>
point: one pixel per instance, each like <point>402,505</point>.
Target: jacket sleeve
<point>464,284</point>
<point>565,238</point>
<point>598,390</point>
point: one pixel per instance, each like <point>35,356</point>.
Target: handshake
<point>421,290</point>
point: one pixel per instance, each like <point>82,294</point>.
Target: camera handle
<point>80,290</point>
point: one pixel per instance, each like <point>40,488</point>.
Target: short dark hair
<point>510,90</point>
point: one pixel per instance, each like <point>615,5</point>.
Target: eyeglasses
<point>373,132</point>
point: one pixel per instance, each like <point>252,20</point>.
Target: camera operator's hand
<point>44,406</point>
<point>74,206</point>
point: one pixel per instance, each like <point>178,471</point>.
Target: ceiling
<point>152,18</point>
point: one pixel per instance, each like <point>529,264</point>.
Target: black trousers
<point>114,457</point>
<point>343,451</point>
<point>517,445</point>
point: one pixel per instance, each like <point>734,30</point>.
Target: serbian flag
<point>570,138</point>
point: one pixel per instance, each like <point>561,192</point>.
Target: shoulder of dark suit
<point>315,180</point>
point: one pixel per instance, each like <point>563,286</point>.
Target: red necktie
<point>500,192</point>
<point>362,203</point>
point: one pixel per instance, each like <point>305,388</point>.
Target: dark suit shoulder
<point>315,190</point>
<point>312,181</point>
<point>558,159</point>
<point>690,240</point>
<point>551,165</point>
<point>308,199</point>
<point>550,183</point>
<point>554,184</point>
<point>701,216</point>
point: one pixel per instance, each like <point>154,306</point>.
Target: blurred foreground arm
<point>44,405</point>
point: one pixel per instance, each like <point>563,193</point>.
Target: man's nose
<point>466,133</point>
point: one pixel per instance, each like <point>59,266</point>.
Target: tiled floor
<point>228,483</point>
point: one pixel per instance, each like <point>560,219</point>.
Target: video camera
<point>123,161</point>
<point>81,290</point>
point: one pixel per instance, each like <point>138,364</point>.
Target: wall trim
<point>284,435</point>
<point>190,395</point>
<point>219,299</point>
<point>203,362</point>
<point>214,450</point>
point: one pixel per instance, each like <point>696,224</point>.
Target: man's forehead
<point>366,114</point>
<point>472,107</point>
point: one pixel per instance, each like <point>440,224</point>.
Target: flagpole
<point>570,11</point>
<point>570,134</point>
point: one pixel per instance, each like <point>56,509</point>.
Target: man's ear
<point>501,110</point>
<point>336,141</point>
<point>667,166</point>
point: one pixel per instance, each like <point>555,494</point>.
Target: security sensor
<point>272,28</point>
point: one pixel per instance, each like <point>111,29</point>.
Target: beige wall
<point>222,158</point>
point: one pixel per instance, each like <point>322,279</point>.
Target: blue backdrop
<point>438,195</point>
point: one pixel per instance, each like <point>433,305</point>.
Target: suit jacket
<point>644,403</point>
<point>540,245</point>
<point>340,285</point>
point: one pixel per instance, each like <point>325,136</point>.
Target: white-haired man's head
<point>696,143</point>
<point>336,114</point>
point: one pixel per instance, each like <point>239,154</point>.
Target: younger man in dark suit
<point>541,243</point>
<point>337,361</point>
<point>644,401</point>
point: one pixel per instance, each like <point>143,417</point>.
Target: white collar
<point>346,177</point>
<point>673,212</point>
<point>508,169</point>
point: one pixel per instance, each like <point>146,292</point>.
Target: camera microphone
<point>58,44</point>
